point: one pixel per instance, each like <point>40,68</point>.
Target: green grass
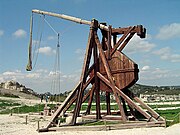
<point>164,106</point>
<point>7,103</point>
<point>168,114</point>
<point>25,108</point>
<point>171,116</point>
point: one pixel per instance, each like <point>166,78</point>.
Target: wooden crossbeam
<point>75,96</point>
<point>107,68</point>
<point>63,105</point>
<point>153,113</point>
<point>90,100</point>
<point>94,25</point>
<point>121,40</point>
<point>126,98</point>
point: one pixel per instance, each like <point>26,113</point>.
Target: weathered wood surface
<point>110,127</point>
<point>123,69</point>
<point>69,18</point>
<point>111,71</point>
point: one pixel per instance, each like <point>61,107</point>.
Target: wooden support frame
<point>102,72</point>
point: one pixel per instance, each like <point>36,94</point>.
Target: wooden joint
<point>94,25</point>
<point>141,32</point>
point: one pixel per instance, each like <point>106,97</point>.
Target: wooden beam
<point>126,41</point>
<point>96,81</point>
<point>107,68</point>
<point>121,40</point>
<point>109,42</point>
<point>63,105</point>
<point>75,97</point>
<point>118,31</point>
<point>90,100</point>
<point>150,110</point>
<point>108,106</point>
<point>126,98</point>
<point>83,74</point>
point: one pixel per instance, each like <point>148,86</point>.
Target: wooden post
<point>121,40</point>
<point>90,100</point>
<point>83,77</point>
<point>126,98</point>
<point>107,68</point>
<point>108,106</point>
<point>26,119</point>
<point>109,47</point>
<point>105,124</point>
<point>38,125</point>
<point>11,112</point>
<point>96,79</point>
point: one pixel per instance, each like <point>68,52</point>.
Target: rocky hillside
<point>15,89</point>
<point>144,89</point>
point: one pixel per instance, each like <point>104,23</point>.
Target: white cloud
<point>12,75</point>
<point>137,44</point>
<point>47,50</point>
<point>52,37</point>
<point>33,75</point>
<point>166,54</point>
<point>1,33</point>
<point>81,53</point>
<point>20,33</point>
<point>169,31</point>
<point>155,75</point>
<point>9,73</point>
<point>145,68</point>
<point>41,80</point>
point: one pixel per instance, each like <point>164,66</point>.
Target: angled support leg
<point>83,74</point>
<point>126,98</point>
<point>108,106</point>
<point>107,68</point>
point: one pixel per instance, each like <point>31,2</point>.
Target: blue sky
<point>158,55</point>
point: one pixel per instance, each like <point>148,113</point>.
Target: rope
<point>56,80</point>
<point>51,27</point>
<point>29,65</point>
<point>38,42</point>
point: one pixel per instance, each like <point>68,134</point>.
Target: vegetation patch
<point>7,103</point>
<point>8,95</point>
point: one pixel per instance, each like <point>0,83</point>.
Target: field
<point>21,115</point>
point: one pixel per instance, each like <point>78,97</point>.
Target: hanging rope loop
<point>29,65</point>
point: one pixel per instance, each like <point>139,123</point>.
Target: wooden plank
<point>90,100</point>
<point>109,47</point>
<point>106,66</point>
<point>83,74</point>
<point>108,106</point>
<point>118,31</point>
<point>121,40</point>
<point>114,40</point>
<point>126,98</point>
<point>96,81</point>
<point>126,41</point>
<point>109,127</point>
<point>63,105</point>
<point>75,97</point>
<point>69,18</point>
<point>154,113</point>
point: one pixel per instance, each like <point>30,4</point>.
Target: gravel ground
<point>16,125</point>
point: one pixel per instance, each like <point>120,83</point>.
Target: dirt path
<point>16,125</point>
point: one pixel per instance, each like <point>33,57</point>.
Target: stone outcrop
<point>13,85</point>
